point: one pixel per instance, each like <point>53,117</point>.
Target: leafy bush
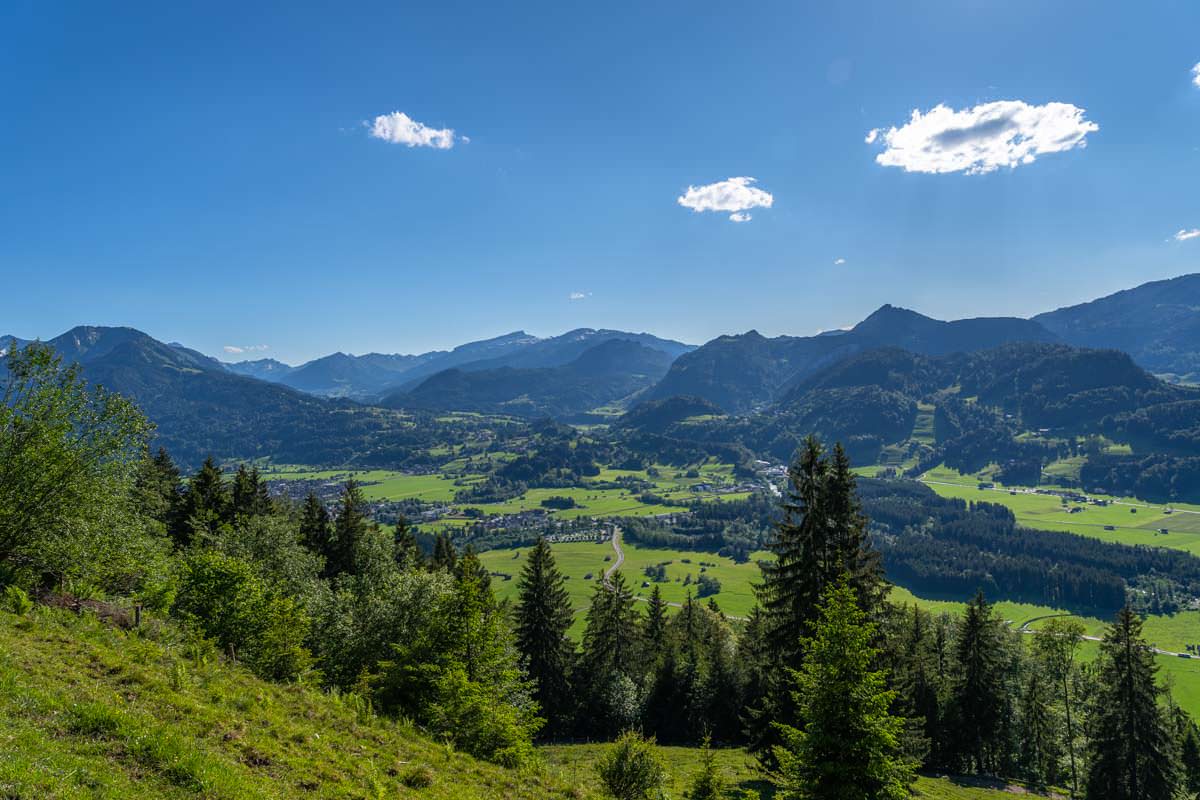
<point>226,599</point>
<point>16,601</point>
<point>631,769</point>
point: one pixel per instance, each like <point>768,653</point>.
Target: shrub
<point>631,769</point>
<point>16,601</point>
<point>225,599</point>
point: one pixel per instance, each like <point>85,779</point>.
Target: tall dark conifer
<point>315,531</point>
<point>444,555</point>
<point>1131,750</point>
<point>979,695</point>
<point>205,505</point>
<point>350,527</point>
<point>823,537</point>
<point>408,552</point>
<point>543,616</point>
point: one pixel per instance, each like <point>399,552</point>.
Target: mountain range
<point>340,405</point>
<point>372,376</point>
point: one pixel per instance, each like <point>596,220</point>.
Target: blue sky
<point>207,172</point>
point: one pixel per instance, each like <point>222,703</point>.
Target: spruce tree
<point>608,677</point>
<point>315,531</point>
<point>656,628</point>
<point>1039,745</point>
<point>205,505</point>
<point>444,555</point>
<point>1132,754</point>
<point>350,528</point>
<point>157,489</point>
<point>793,581</point>
<point>822,537</point>
<point>245,494</point>
<point>543,616</point>
<point>979,700</point>
<point>850,746</point>
<point>408,552</point>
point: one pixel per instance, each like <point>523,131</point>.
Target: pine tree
<point>979,700</point>
<point>246,495</point>
<point>350,528</point>
<point>709,783</point>
<point>157,490</point>
<point>921,690</point>
<point>822,537</point>
<point>608,677</point>
<point>205,505</point>
<point>315,531</point>
<point>408,552</point>
<point>793,581</point>
<point>850,746</point>
<point>1131,751</point>
<point>1039,747</point>
<point>849,540</point>
<point>1188,736</point>
<point>444,556</point>
<point>543,616</point>
<point>656,628</point>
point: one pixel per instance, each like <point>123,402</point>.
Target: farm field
<point>671,483</point>
<point>1124,521</point>
<point>378,484</point>
<point>579,559</point>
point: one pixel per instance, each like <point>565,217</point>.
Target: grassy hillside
<point>89,711</point>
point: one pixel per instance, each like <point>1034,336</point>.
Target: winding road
<point>616,565</point>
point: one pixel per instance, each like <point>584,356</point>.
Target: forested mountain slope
<point>1157,323</point>
<point>602,374</point>
<point>739,373</point>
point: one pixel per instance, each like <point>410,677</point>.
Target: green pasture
<point>571,763</point>
<point>1124,521</point>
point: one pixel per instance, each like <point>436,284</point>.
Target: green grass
<point>576,763</point>
<point>1125,521</point>
<point>379,484</point>
<point>88,711</point>
<point>578,559</point>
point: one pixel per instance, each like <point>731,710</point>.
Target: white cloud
<point>731,194</point>
<point>1196,75</point>
<point>1006,133</point>
<point>234,349</point>
<point>578,295</point>
<point>1184,235</point>
<point>399,128</point>
<point>839,261</point>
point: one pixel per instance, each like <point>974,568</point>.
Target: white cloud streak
<point>732,194</point>
<point>839,261</point>
<point>978,140</point>
<point>573,296</point>
<point>399,128</point>
<point>234,349</point>
<point>1196,75</point>
<point>1184,234</point>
